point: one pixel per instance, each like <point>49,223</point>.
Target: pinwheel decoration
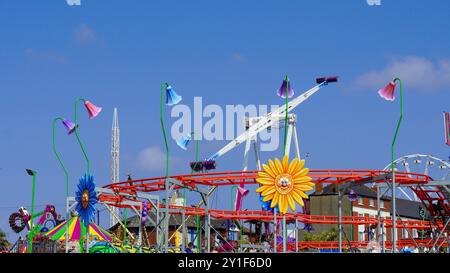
<point>284,183</point>
<point>86,198</point>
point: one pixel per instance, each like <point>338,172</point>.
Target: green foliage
<point>328,236</point>
<point>4,244</point>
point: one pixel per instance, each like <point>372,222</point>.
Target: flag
<point>447,128</point>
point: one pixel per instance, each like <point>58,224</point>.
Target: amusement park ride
<point>141,195</point>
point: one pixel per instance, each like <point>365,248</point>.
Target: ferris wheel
<point>436,168</point>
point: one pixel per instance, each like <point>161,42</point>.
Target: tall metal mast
<point>115,148</point>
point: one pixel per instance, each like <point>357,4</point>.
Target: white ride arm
<point>265,122</point>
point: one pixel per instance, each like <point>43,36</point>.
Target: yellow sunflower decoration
<point>284,183</point>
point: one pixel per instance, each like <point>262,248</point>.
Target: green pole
<point>31,233</point>
<point>78,136</point>
<point>83,235</point>
<point>286,116</point>
<point>66,173</point>
<point>125,226</point>
<point>199,246</point>
<point>88,164</point>
<point>161,111</point>
<point>394,224</point>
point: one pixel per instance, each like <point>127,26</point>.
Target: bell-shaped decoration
<point>172,98</point>
<point>387,92</point>
<point>92,109</point>
<point>184,141</point>
<point>69,125</point>
<point>286,88</point>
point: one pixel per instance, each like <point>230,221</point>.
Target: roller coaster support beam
<point>284,230</point>
<point>152,199</point>
<point>296,235</point>
<point>170,183</point>
<point>443,229</point>
<point>275,231</point>
<point>198,205</point>
<point>118,220</point>
<point>340,220</point>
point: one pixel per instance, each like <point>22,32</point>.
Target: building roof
<point>360,190</point>
<point>409,209</point>
<point>405,208</point>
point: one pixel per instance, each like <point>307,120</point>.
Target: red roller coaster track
<point>218,179</point>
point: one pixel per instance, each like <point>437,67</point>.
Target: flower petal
<point>268,197</point>
<point>268,191</point>
<point>290,202</point>
<point>298,199</point>
<point>264,175</point>
<point>283,204</point>
<point>303,187</point>
<point>302,179</point>
<point>285,163</point>
<point>265,181</point>
<point>275,199</point>
<point>292,166</point>
<point>301,193</point>
<point>273,168</point>
<point>278,165</point>
<point>269,169</point>
<point>299,166</point>
<point>301,173</point>
<point>263,188</point>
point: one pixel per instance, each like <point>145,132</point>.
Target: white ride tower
<point>115,159</point>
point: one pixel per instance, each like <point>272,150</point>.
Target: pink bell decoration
<point>240,194</point>
<point>387,92</point>
<point>92,109</point>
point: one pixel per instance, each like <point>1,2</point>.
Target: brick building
<point>326,203</point>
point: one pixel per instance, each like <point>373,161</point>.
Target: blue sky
<point>229,52</point>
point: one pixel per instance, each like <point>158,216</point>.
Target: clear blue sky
<point>117,53</point>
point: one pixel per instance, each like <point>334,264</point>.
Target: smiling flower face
<point>86,198</point>
<point>284,183</point>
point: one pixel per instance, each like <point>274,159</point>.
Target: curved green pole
<point>394,224</point>
<point>161,111</point>
<point>78,136</point>
<point>66,173</point>
<point>31,233</point>
<point>286,116</point>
